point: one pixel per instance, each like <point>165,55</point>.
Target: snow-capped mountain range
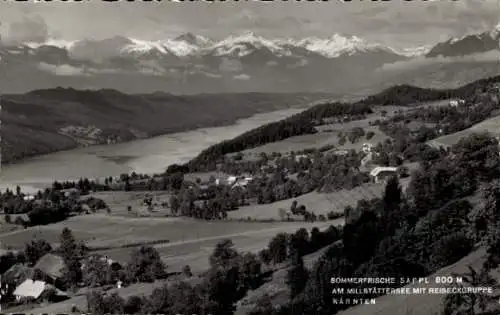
<point>234,45</point>
<point>238,63</point>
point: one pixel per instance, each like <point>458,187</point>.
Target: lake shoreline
<point>147,156</point>
<point>213,124</point>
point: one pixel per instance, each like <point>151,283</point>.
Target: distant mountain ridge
<point>468,44</point>
<point>247,62</point>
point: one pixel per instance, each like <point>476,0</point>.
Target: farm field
<point>319,203</point>
<point>183,238</point>
<point>491,125</point>
<point>196,252</point>
<point>118,202</point>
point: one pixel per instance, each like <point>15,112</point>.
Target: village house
<point>301,156</point>
<point>381,173</point>
<point>242,181</point>
<point>455,103</point>
<point>231,180</point>
<point>341,152</point>
<point>367,148</point>
<point>71,192</point>
<point>35,290</point>
<point>28,197</point>
<point>52,266</point>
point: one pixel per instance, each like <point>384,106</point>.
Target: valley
<point>311,172</point>
<point>42,122</point>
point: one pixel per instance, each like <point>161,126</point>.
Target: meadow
<point>491,125</point>
<point>319,203</point>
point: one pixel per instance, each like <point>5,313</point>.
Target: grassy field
<point>319,203</point>
<point>491,125</point>
<point>119,201</point>
<point>328,135</point>
<point>186,236</point>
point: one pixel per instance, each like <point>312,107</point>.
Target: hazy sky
<point>397,23</point>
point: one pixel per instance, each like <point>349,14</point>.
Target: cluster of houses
<point>30,287</point>
<point>456,102</point>
<point>233,181</point>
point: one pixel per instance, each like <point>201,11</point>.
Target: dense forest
<point>408,95</point>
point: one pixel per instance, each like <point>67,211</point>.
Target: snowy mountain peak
<point>59,43</point>
<point>236,45</point>
<point>495,33</point>
<point>195,40</point>
<point>239,45</point>
<point>338,45</point>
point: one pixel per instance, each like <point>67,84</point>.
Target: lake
<point>149,156</point>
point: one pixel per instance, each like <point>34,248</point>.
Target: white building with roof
<point>456,102</point>
<point>381,173</point>
<point>29,289</point>
<point>367,148</point>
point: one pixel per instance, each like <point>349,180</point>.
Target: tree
<point>100,304</point>
<point>265,256</point>
<point>72,272</point>
<point>224,289</point>
<point>35,250</point>
<point>278,248</point>
<point>297,276</point>
<point>299,243</point>
<point>224,254</point>
<point>71,253</point>
<point>95,303</point>
<point>250,270</point>
<point>264,306</point>
<point>96,272</point>
<point>471,303</point>
<point>145,265</point>
<point>68,247</point>
<point>133,305</point>
<point>451,248</point>
<point>392,200</point>
<point>186,270</point>
<point>174,204</point>
<point>114,304</point>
